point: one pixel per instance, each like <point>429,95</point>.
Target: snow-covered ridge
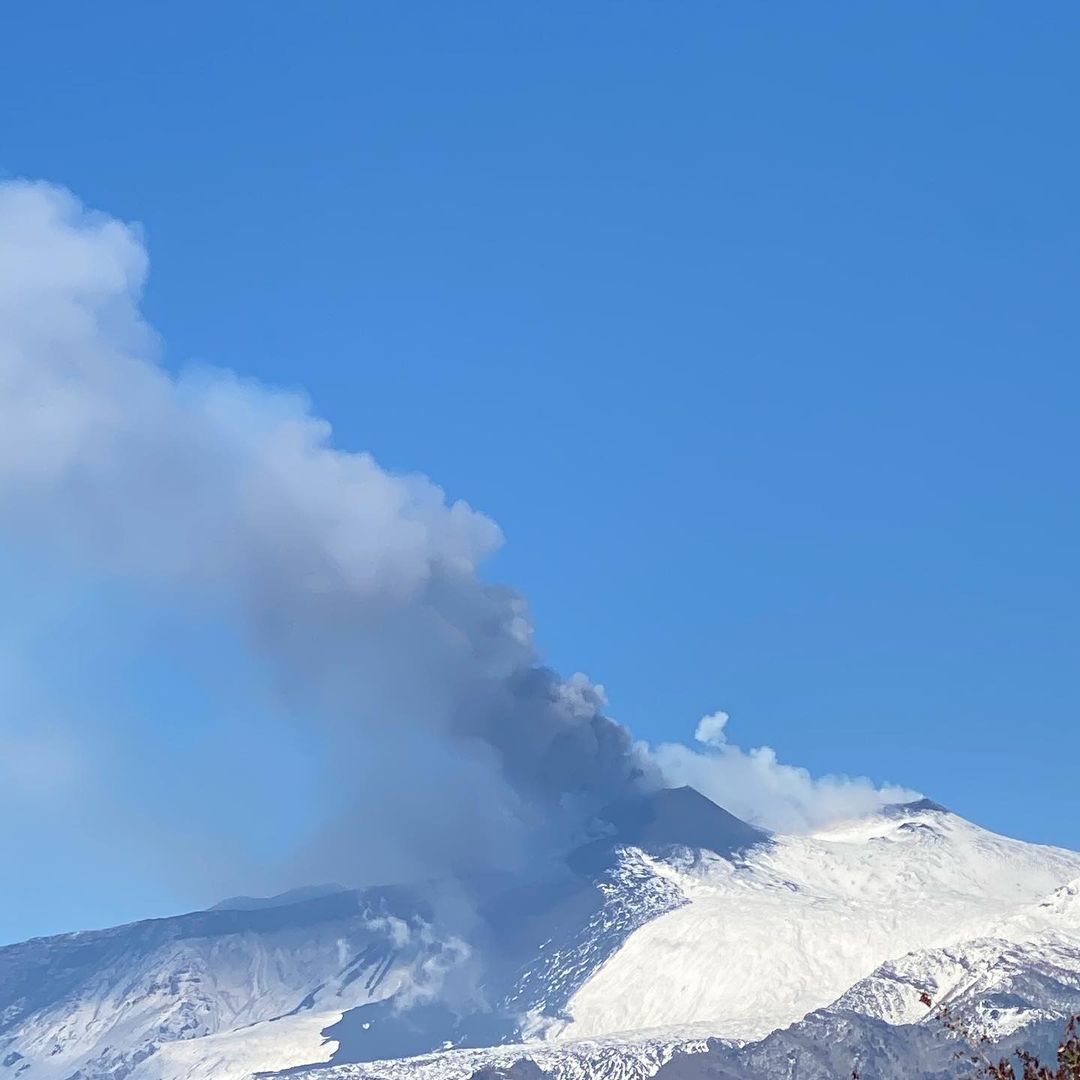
<point>999,986</point>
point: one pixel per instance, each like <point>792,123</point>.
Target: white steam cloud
<point>755,786</point>
<point>358,588</point>
<point>437,958</point>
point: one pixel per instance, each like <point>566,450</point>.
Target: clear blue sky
<point>754,324</point>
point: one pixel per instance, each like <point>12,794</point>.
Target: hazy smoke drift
<point>358,586</point>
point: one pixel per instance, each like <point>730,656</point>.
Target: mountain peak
<point>916,806</point>
<point>680,816</point>
<point>293,896</point>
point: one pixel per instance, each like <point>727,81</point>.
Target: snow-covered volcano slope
<point>767,935</point>
<point>791,925</point>
<point>1012,993</point>
<point>252,986</point>
<point>680,923</point>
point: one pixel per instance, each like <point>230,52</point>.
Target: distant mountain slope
<point>101,1003</point>
<point>285,899</point>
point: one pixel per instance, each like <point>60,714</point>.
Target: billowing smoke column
<point>359,588</point>
<point>450,747</point>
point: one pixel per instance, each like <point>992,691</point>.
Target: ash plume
<point>451,748</point>
<point>359,588</point>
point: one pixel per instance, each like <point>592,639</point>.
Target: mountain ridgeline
<point>678,940</point>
